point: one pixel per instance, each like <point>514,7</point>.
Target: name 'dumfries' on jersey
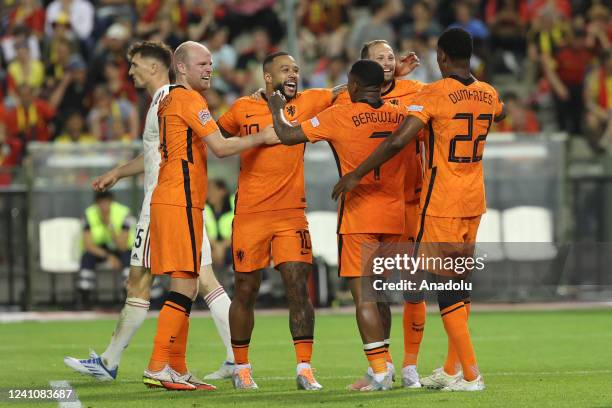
<point>474,95</point>
<point>377,117</point>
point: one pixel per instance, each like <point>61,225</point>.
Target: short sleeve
<point>343,98</point>
<point>321,127</point>
<point>198,118</point>
<point>228,120</point>
<point>319,99</point>
<point>423,106</point>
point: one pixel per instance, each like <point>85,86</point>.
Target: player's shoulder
<point>246,102</point>
<point>160,94</point>
<point>485,86</point>
<point>406,86</point>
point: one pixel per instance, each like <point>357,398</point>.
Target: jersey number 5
<point>469,117</point>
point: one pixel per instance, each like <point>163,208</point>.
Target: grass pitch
<point>537,359</point>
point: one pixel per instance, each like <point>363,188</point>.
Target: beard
<point>281,87</point>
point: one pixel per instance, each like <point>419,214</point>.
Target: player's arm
<point>501,116</point>
<point>288,134</point>
<point>337,90</point>
<point>224,132</point>
<point>391,146</point>
<point>227,146</point>
<point>111,177</point>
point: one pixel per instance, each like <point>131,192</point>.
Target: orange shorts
<point>176,239</point>
<point>411,221</point>
<point>351,260</point>
<point>446,237</point>
<point>281,234</point>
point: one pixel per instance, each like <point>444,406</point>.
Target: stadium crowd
<point>64,72</point>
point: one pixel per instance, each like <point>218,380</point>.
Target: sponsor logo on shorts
<point>135,257</point>
<point>240,255</point>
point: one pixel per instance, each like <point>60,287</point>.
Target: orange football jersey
<point>184,120</point>
<point>354,131</point>
<point>402,93</point>
<point>458,113</point>
<point>271,177</point>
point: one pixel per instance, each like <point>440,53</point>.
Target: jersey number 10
<point>469,117</point>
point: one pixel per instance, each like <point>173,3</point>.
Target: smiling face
<point>283,74</point>
<point>197,67</point>
<point>383,54</point>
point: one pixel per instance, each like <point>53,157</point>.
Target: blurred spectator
<point>246,15</point>
<point>29,13</point>
<point>10,152</point>
<point>72,91</point>
<point>219,215</point>
<point>80,14</point>
<point>422,23</point>
<point>200,16</point>
<point>20,35</point>
<point>165,17</point>
<point>428,70</point>
<point>598,100</point>
<point>118,86</point>
<point>599,28</point>
<point>31,118</point>
<point>106,239</point>
<point>112,47</point>
<point>109,11</point>
<point>563,8</point>
<point>216,102</point>
<point>323,16</point>
<point>566,72</point>
<point>25,70</point>
<point>507,20</point>
<point>224,59</point>
<point>247,75</point>
<point>331,72</point>
<point>112,119</point>
<point>464,18</point>
<point>74,130</point>
<point>548,32</point>
<point>375,26</point>
<point>61,32</point>
<point>519,118</point>
<point>55,71</point>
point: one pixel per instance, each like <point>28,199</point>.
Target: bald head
<point>193,65</point>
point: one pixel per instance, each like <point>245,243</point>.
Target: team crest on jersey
<point>291,110</point>
<point>204,116</point>
<point>394,102</point>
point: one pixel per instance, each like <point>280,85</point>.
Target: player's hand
<point>257,94</point>
<point>277,101</point>
<point>270,137</point>
<point>405,64</point>
<point>344,185</point>
<point>105,181</point>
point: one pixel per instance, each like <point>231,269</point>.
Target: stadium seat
<point>489,237</point>
<point>60,248</point>
<point>322,226</point>
<point>528,234</point>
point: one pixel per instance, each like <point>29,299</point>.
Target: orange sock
<point>452,363</point>
<point>177,352</point>
<point>388,356</point>
<point>414,324</point>
<point>173,315</point>
<point>241,351</point>
<point>376,355</point>
<point>303,348</point>
<point>454,318</point>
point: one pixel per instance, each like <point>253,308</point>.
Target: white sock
<point>133,314</point>
<point>219,303</point>
<point>379,377</point>
<point>302,366</point>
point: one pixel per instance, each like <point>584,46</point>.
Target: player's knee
<point>449,298</point>
<point>246,286</point>
<point>139,283</point>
